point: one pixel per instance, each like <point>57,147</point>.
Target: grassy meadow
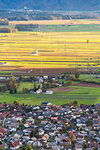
<point>28,85</point>
<point>84,95</point>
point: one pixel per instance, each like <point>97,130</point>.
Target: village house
<point>49,92</point>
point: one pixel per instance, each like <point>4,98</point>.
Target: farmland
<point>63,46</point>
<point>55,50</point>
<point>57,22</point>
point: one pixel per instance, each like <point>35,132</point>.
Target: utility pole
<point>76,61</point>
<point>90,67</point>
<point>65,50</point>
<point>41,67</point>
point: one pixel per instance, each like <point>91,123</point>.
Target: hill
<point>78,5</point>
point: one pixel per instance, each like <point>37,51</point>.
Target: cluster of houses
<point>3,63</point>
<point>54,127</point>
<point>3,35</point>
<point>7,78</point>
<point>40,79</point>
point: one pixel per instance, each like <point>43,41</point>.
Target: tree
<point>17,103</point>
<point>24,147</point>
<point>13,85</point>
<point>48,85</point>
<point>33,79</point>
<point>95,148</point>
<point>29,147</point>
<point>44,86</point>
<point>75,102</point>
<point>74,138</point>
<point>77,75</point>
<point>99,111</point>
<point>3,88</point>
<point>39,87</point>
<point>66,74</point>
<point>87,41</point>
<point>34,87</point>
<point>80,128</point>
<point>73,144</point>
<point>84,146</point>
<point>69,82</point>
<point>32,134</point>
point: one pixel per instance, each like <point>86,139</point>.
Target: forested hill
<point>72,5</point>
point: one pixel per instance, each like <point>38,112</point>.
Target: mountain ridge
<point>68,5</point>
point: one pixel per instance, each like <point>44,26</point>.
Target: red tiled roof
<point>2,130</point>
<point>1,105</point>
<point>1,135</point>
<point>28,123</point>
<point>54,118</point>
<point>15,144</point>
<point>3,115</point>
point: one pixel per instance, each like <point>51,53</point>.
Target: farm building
<point>49,92</point>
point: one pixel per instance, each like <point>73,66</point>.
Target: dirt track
<point>62,89</point>
<point>87,85</point>
<point>48,71</point>
<point>44,71</point>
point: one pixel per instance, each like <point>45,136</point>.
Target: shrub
<point>77,75</point>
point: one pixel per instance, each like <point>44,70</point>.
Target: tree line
<point>7,30</point>
<point>26,27</point>
<point>17,18</point>
<point>47,15</point>
<point>4,21</point>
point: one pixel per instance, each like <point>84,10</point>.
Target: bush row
<point>8,30</point>
<point>26,27</point>
<point>4,21</point>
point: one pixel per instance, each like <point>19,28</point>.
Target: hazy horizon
<point>62,5</point>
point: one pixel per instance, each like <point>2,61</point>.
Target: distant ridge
<point>69,5</point>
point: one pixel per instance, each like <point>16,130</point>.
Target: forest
<point>25,15</point>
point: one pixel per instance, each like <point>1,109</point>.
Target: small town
<point>66,127</point>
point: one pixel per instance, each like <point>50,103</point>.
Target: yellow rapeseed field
<point>55,49</point>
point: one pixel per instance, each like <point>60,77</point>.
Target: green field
<point>84,95</point>
<point>28,85</point>
<point>69,28</point>
<point>88,77</point>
